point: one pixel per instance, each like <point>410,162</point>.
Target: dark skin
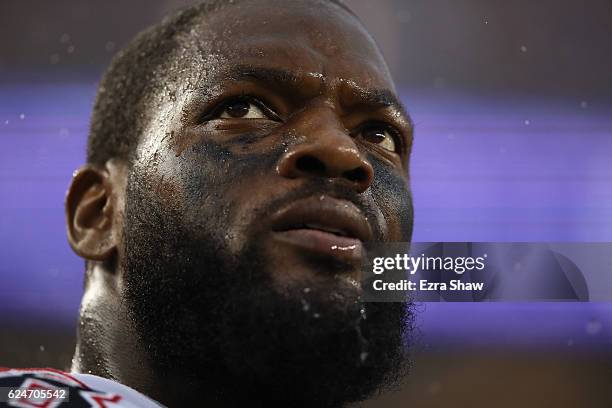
<point>280,98</point>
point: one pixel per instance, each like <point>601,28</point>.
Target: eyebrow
<point>381,98</point>
<point>292,84</point>
<point>352,95</point>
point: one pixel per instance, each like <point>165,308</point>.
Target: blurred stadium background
<point>513,109</point>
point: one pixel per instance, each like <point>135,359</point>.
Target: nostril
<point>311,165</point>
<point>357,175</point>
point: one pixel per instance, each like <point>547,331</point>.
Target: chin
<point>292,270</point>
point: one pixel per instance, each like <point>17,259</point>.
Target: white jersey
<point>50,388</point>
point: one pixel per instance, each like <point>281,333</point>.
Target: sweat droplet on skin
<point>354,282</point>
<point>343,248</point>
<point>363,356</point>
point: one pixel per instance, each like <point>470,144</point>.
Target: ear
<point>90,214</point>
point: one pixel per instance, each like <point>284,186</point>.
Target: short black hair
<point>132,77</point>
<point>135,75</point>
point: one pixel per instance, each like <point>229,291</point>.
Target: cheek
<point>217,184</point>
<point>215,168</point>
<point>392,194</point>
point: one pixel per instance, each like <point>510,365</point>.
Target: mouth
<point>324,226</point>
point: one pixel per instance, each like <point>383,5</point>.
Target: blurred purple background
<point>513,110</point>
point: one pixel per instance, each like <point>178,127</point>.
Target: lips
<point>325,226</point>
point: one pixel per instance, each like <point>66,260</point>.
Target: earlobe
<point>89,214</point>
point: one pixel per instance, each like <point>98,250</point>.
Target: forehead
<point>314,38</point>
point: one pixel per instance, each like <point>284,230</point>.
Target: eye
<point>380,135</point>
<point>242,109</point>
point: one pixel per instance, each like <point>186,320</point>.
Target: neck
<point>107,343</point>
<point>108,346</point>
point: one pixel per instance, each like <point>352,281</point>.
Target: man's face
<point>276,151</point>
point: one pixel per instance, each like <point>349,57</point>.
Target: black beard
<point>213,325</point>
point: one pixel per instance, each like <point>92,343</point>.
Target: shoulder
<point>54,388</point>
